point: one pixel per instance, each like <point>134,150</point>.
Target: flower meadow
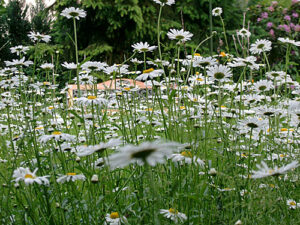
<point>185,139</point>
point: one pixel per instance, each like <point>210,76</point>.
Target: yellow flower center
<point>39,128</point>
<point>182,107</point>
<point>283,129</point>
<point>281,155</point>
<point>71,174</point>
<point>173,211</point>
<point>91,97</point>
<point>29,176</point>
<point>148,71</point>
<point>127,89</point>
<point>199,79</point>
<point>56,133</point>
<point>46,83</point>
<point>186,154</point>
<point>292,203</point>
<point>223,54</point>
<point>197,73</point>
<point>272,185</point>
<point>197,54</point>
<point>271,171</point>
<point>149,109</point>
<point>50,107</point>
<point>114,215</point>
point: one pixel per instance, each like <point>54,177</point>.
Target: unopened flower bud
<point>95,178</point>
<point>212,172</point>
<point>239,222</point>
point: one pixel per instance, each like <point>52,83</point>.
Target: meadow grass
<point>207,140</point>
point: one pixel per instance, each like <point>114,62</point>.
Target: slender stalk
<point>76,55</point>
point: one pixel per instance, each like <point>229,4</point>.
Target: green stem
<point>76,54</point>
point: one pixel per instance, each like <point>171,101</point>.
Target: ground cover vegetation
<point>190,127</point>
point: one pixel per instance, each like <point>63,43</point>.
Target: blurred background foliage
<point>112,26</point>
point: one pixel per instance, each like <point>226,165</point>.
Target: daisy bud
<point>17,185</point>
<point>57,205</point>
<point>78,159</point>
<point>212,172</point>
<point>95,178</point>
<point>239,222</point>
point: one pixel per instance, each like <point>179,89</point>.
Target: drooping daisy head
<point>217,11</point>
<point>244,33</point>
<point>164,2</point>
<point>73,13</point>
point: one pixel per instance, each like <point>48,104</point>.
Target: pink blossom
<point>274,3</point>
<point>258,19</point>
<point>264,15</point>
<point>297,28</point>
<point>281,27</point>
<point>292,25</point>
<point>287,28</point>
<point>287,17</point>
<point>269,24</point>
<point>271,9</point>
<point>272,33</point>
<point>295,15</point>
<point>295,2</point>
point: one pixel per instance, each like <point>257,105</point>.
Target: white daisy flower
<point>173,215</point>
<point>69,66</point>
<point>70,177</point>
<point>88,150</point>
<point>93,66</point>
<point>19,49</point>
<point>163,2</point>
<point>244,33</point>
<point>58,136</point>
<point>265,171</point>
<point>73,13</point>
<point>47,66</point>
<point>252,123</point>
<point>261,46</point>
<point>219,72</point>
<point>217,11</point>
<point>114,219</point>
<point>18,62</point>
<point>179,35</point>
<point>276,75</point>
<point>292,204</point>
<point>91,99</point>
<point>24,174</point>
<point>150,73</point>
<point>204,61</point>
<point>85,79</point>
<point>186,157</point>
<point>147,152</point>
<point>289,41</point>
<point>39,37</point>
<point>143,47</point>
<point>263,85</point>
